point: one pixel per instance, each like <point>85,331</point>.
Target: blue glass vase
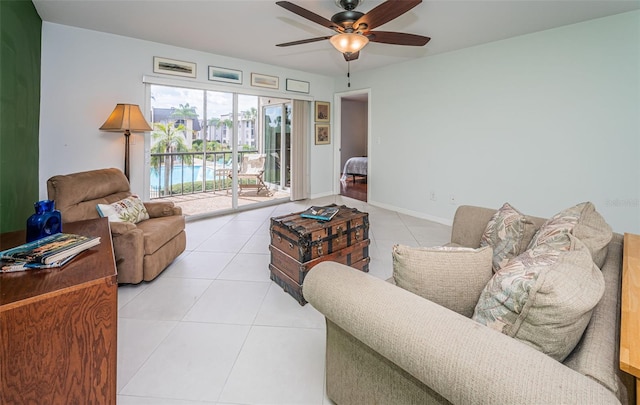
<point>46,221</point>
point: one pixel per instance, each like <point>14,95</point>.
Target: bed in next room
<point>355,166</point>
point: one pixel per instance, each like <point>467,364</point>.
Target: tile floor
<point>214,329</point>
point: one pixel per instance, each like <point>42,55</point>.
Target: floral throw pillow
<point>507,233</point>
<point>130,209</point>
<point>544,297</point>
<point>581,221</point>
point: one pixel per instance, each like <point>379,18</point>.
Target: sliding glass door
<point>277,137</point>
<point>201,138</point>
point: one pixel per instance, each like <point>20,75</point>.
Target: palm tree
<point>198,145</point>
<point>250,116</point>
<point>184,112</point>
<point>167,140</point>
<point>215,124</point>
<point>227,123</point>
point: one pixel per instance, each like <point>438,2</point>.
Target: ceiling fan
<point>354,29</point>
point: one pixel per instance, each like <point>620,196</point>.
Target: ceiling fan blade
<point>309,15</point>
<point>385,12</point>
<point>351,56</point>
<point>396,38</point>
<point>304,41</point>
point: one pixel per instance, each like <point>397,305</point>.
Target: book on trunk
<point>51,249</point>
<point>320,213</point>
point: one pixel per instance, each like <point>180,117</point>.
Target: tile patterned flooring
<point>202,203</point>
<point>214,329</point>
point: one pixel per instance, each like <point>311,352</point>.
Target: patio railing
<point>191,172</point>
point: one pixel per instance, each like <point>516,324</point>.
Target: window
<point>197,135</point>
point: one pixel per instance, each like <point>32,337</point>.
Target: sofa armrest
<point>162,209</point>
<point>120,228</point>
<point>469,224</point>
<point>463,361</point>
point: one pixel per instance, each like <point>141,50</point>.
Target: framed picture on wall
<point>174,67</point>
<point>323,134</point>
<point>220,74</point>
<point>298,86</point>
<point>260,80</point>
<point>323,109</point>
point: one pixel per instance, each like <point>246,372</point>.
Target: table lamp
<point>127,118</point>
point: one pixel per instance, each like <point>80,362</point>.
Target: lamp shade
<point>126,117</point>
<point>349,42</point>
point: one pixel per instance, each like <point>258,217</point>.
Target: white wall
<point>85,73</point>
<point>544,121</point>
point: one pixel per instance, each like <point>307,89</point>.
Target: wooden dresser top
<point>91,266</point>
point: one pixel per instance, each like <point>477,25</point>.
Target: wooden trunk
<point>298,244</point>
<point>297,270</point>
<point>306,239</point>
<point>294,288</point>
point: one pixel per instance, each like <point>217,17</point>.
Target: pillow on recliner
<point>130,209</point>
<point>544,297</point>
<point>449,276</point>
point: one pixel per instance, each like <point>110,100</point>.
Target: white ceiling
<point>249,29</point>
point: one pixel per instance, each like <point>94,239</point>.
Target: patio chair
<point>251,172</point>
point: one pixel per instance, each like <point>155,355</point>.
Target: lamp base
<point>127,133</point>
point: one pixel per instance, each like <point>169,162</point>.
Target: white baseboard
<point>443,221</point>
<point>322,195</point>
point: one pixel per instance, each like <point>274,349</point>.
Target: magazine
<point>321,213</point>
<point>9,266</point>
<point>50,249</point>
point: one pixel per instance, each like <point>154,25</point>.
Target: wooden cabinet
<point>630,310</point>
<point>58,327</point>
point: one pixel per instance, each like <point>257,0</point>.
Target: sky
<point>218,103</point>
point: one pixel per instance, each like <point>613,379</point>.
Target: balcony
<point>199,182</point>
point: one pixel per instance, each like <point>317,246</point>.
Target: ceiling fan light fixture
<point>349,42</point>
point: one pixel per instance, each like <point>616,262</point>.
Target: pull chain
<point>348,73</point>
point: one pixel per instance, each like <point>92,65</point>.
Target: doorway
<point>353,151</point>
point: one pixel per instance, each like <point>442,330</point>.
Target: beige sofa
<point>142,250</point>
<point>386,345</point>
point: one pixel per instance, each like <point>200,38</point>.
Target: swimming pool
<point>180,174</point>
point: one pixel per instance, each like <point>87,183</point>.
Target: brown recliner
<point>142,250</point>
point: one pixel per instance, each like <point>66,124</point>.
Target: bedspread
<point>355,166</point>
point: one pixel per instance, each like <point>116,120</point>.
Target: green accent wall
<point>20,43</point>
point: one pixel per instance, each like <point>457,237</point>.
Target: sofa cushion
<point>583,222</point>
<point>508,233</point>
<point>544,297</point>
<point>449,276</point>
<point>130,209</point>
